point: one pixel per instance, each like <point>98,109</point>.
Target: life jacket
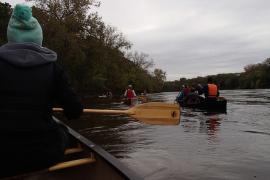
<point>130,94</point>
<point>186,91</point>
<point>212,91</point>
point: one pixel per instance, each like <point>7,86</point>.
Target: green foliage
<point>93,53</point>
<point>5,13</point>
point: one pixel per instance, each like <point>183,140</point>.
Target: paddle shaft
<point>101,111</point>
<point>106,111</point>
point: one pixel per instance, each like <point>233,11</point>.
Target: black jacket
<point>31,83</point>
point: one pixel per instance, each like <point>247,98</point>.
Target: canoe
<point>199,102</point>
<point>220,105</point>
<point>136,100</point>
<point>143,99</point>
<point>84,160</point>
<point>130,102</point>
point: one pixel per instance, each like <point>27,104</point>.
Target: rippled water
<point>235,145</point>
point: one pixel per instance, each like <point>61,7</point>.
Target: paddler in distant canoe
<point>210,90</point>
<point>130,95</point>
<point>143,97</point>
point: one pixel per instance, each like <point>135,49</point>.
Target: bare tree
<point>141,60</point>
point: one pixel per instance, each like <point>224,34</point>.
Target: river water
<point>235,145</point>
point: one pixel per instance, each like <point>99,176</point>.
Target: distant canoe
<point>84,160</point>
<point>198,102</point>
<point>130,102</point>
<point>143,98</point>
<point>105,96</point>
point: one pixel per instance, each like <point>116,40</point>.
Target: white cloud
<point>191,37</point>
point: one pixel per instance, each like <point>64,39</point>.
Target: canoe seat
<point>72,163</point>
<point>73,150</point>
<point>75,162</point>
<point>59,166</point>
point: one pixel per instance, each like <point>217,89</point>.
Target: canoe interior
<point>105,166</point>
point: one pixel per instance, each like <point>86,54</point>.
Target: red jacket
<point>130,94</point>
<point>186,91</point>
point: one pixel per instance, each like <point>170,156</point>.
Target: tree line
<point>96,56</point>
<point>255,76</point>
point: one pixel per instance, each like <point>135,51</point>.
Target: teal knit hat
<point>23,27</point>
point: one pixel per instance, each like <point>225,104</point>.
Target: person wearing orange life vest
<point>210,91</point>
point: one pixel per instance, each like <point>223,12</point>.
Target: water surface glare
<point>234,146</point>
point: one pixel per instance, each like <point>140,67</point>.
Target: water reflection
<point>117,134</point>
<point>203,146</point>
<point>202,123</point>
<point>213,125</point>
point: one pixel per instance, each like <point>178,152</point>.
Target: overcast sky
<point>190,38</point>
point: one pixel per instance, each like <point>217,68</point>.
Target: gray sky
<point>190,38</point>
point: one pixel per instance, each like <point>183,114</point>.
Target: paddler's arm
<point>65,95</point>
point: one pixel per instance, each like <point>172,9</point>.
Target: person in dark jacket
<point>31,84</point>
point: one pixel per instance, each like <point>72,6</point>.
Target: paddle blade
<point>157,113</point>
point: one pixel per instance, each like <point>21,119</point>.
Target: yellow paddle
<point>157,113</point>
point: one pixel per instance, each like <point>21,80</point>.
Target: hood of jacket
<point>26,54</point>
